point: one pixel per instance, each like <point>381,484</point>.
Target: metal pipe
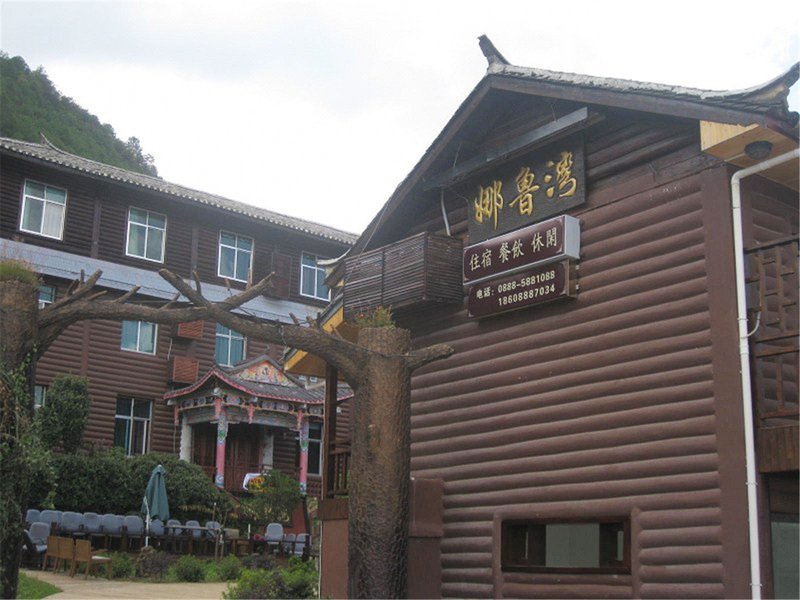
<point>744,357</point>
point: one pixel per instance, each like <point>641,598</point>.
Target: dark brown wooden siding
<point>606,405</point>
<point>93,349</point>
<point>79,214</point>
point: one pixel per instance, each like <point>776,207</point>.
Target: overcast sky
<point>320,109</point>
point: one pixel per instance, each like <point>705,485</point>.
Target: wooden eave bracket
<point>561,127</point>
<point>728,142</point>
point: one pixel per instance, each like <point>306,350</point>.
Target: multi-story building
<point>64,215</point>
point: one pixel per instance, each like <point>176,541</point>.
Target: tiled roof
<point>769,97</point>
<point>49,153</point>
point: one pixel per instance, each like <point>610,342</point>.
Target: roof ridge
<point>177,190</point>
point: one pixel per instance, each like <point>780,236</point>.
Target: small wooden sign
<point>528,288</point>
<point>545,242</point>
<point>527,190</point>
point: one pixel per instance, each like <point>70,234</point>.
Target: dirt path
<point>78,587</point>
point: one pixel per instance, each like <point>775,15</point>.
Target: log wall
<point>621,402</point>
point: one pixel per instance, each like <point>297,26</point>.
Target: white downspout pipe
<point>744,355</point>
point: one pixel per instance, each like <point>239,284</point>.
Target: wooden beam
<point>561,127</point>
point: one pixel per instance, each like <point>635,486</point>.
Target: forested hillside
<point>30,104</point>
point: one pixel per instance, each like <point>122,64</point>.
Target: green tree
<point>62,420</point>
<point>32,106</point>
<point>274,497</point>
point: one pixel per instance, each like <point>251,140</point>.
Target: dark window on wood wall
<point>601,546</point>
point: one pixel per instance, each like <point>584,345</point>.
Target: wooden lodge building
<point>594,434</point>
<point>64,215</point>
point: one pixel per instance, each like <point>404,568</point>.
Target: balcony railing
<point>420,270</point>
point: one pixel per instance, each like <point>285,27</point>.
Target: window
<point>314,448</point>
<point>312,278</point>
<point>47,295</point>
<point>229,348</point>
<point>132,425</point>
<point>139,336</point>
<point>235,255</point>
<point>146,234</point>
<point>577,547</point>
<point>785,554</point>
<point>39,395</point>
<point>43,210</point>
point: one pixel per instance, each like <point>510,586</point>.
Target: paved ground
<point>94,587</point>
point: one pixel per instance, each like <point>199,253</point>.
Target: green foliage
<point>258,561</point>
<point>33,589</point>
<point>62,420</point>
<point>188,568</point>
<point>108,481</point>
<point>22,457</point>
<point>380,316</point>
<point>122,565</point>
<point>229,568</point>
<point>274,497</point>
<point>95,482</point>
<point>17,270</point>
<point>297,580</point>
<point>191,492</point>
<point>32,105</point>
<point>153,563</point>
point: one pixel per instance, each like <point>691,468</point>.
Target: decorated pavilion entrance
<point>244,420</point>
<point>243,451</point>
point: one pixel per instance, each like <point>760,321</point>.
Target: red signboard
<point>541,243</point>
<point>534,286</point>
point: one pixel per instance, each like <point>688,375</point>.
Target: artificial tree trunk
<point>380,468</point>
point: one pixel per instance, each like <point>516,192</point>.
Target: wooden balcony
<point>420,270</point>
<point>773,314</point>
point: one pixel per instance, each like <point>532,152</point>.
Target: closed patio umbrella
<point>155,503</point>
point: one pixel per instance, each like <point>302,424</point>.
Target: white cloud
<point>319,109</point>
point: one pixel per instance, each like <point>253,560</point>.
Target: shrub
<point>153,563</point>
<point>380,316</point>
<point>274,497</point>
<point>258,561</point>
<point>229,568</point>
<point>188,568</point>
<point>17,270</point>
<point>121,566</point>
<point>96,482</point>
<point>62,420</point>
<point>297,580</point>
<point>253,584</point>
<point>107,481</point>
<point>191,493</point>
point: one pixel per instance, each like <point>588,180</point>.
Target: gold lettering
<point>489,202</point>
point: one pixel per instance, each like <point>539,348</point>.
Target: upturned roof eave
<point>662,99</point>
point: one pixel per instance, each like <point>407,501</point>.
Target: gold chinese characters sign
<point>527,191</point>
<point>537,244</point>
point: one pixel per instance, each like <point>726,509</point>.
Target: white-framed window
<point>47,295</point>
<point>235,256</point>
<point>312,278</point>
<point>229,346</point>
<point>132,425</point>
<point>43,208</point>
<point>315,448</point>
<point>139,336</point>
<point>39,396</point>
<point>147,232</point>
